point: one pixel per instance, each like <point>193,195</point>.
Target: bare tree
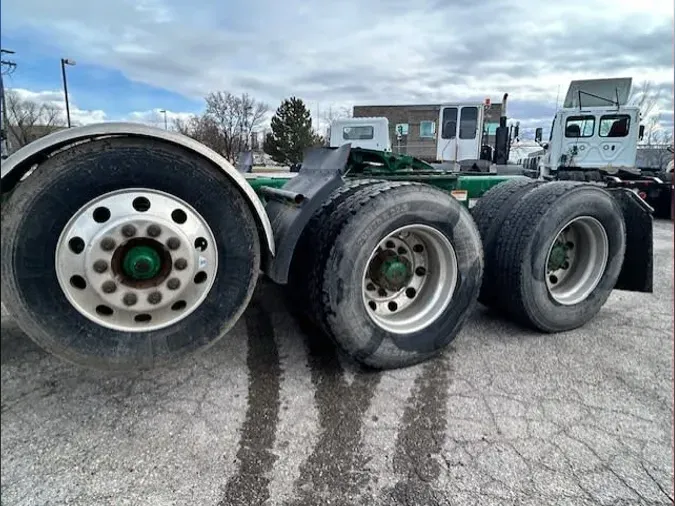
<point>334,113</point>
<point>645,96</point>
<point>28,120</point>
<point>203,129</point>
<point>236,119</point>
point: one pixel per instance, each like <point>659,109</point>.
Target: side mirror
<point>538,134</point>
<point>641,133</point>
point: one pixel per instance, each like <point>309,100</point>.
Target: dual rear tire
<point>554,251</point>
<point>391,271</point>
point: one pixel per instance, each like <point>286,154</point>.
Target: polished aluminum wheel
<point>576,260</point>
<point>136,260</point>
<point>410,279</point>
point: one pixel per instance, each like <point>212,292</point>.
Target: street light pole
<point>4,124</point>
<point>166,126</point>
<point>64,62</point>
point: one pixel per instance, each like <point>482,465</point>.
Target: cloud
<point>154,117</point>
<point>381,51</point>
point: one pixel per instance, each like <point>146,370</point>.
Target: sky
<point>137,57</point>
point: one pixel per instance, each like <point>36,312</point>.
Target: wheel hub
<point>390,271</point>
<point>142,262</point>
<point>410,279</point>
<point>558,256</point>
<point>576,260</point>
<point>136,260</point>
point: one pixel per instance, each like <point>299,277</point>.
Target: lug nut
<point>173,243</point>
<point>128,231</point>
<point>107,244</point>
<point>100,266</point>
<point>173,284</point>
<point>420,271</point>
<point>180,264</point>
<point>154,230</point>
<point>109,287</point>
<point>155,298</point>
<point>129,299</point>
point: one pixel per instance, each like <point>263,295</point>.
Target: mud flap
<point>637,271</point>
<point>290,207</point>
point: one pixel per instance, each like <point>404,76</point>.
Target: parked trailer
<point>126,247</point>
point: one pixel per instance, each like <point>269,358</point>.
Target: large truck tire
<point>489,213</point>
<point>126,253</point>
<point>303,273</point>
<point>559,255</point>
<point>397,273</point>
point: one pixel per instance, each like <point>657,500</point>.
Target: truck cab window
<point>579,126</point>
<point>616,125</point>
<point>449,130</point>
<point>468,123</point>
<point>357,133</point>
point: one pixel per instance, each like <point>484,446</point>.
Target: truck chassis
<point>127,247</point>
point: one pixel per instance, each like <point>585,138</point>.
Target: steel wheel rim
<point>419,298</point>
<point>92,260</point>
<point>573,275</point>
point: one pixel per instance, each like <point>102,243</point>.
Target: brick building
<point>419,124</point>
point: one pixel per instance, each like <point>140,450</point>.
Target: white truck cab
<point>595,129</point>
<point>367,133</point>
<point>460,136</point>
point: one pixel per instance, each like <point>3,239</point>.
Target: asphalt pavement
<point>271,416</point>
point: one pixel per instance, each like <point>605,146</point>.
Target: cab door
<point>460,134</point>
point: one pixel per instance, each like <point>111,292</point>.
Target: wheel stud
<point>401,250</point>
<point>173,284</point>
<point>108,244</point>
<point>173,243</point>
<point>370,287</point>
<point>566,265</point>
<point>128,231</point>
<point>109,287</point>
<point>129,299</point>
<point>390,244</point>
<point>180,264</point>
<point>155,298</point>
<point>569,245</point>
<point>418,248</point>
<point>382,292</point>
<point>100,266</point>
<point>410,293</point>
<point>420,271</point>
<point>154,230</point>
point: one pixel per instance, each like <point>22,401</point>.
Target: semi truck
<point>128,247</point>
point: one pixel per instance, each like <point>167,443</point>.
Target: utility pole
<point>166,125</point>
<point>4,136</point>
<point>64,62</point>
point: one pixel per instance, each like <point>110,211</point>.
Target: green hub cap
<point>395,272</point>
<point>142,262</point>
<point>557,257</point>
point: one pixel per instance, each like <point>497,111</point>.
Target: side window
<point>358,133</point>
<point>428,129</point>
<point>468,123</point>
<point>616,125</point>
<point>580,126</point>
<point>449,130</point>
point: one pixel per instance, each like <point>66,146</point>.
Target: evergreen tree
<point>291,133</point>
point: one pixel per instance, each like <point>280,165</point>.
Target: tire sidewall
<point>351,326</point>
<point>49,198</point>
<point>592,202</point>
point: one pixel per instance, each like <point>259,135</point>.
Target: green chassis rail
<point>465,187</point>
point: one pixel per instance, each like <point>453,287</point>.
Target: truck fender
<point>17,165</point>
